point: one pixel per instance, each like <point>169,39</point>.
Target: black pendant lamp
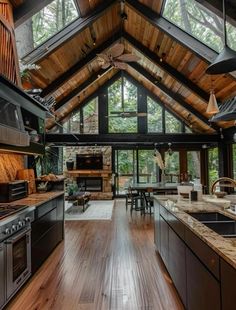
<point>226,61</point>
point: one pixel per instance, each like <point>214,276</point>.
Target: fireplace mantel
<point>106,176</point>
<point>99,173</point>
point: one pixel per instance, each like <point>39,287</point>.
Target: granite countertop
<point>36,199</point>
<point>225,247</point>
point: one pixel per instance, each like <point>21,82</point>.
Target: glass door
<point>125,169</point>
<point>147,168</point>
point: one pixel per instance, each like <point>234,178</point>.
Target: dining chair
<point>149,200</point>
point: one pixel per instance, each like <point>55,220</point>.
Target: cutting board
<point>28,175</point>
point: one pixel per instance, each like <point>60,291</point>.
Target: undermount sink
<point>210,217</point>
<point>221,224</point>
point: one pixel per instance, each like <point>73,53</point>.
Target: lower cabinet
<point>195,274</point>
<point>47,230</point>
<point>177,264</point>
<point>164,243</point>
<point>228,280</point>
<point>203,290</point>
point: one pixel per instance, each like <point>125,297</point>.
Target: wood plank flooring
<point>102,265</point>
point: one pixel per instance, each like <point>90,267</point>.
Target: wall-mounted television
<point>89,162</point>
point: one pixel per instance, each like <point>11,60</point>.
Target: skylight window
<point>44,24</point>
<point>199,22</point>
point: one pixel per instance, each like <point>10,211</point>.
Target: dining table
<point>154,187</point>
<point>145,189</point>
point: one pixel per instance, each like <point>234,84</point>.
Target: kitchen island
<point>201,263</point>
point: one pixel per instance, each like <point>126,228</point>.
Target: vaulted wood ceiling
<point>69,70</point>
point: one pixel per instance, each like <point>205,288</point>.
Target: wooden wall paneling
<point>9,164</point>
<point>9,66</point>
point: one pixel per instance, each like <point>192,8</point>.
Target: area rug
<point>97,210</point>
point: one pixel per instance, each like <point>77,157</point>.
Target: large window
<point>90,117</point>
<point>85,120</point>
<point>44,24</point>
<point>213,165</point>
<point>134,166</point>
<point>122,107</point>
<point>147,168</point>
<point>172,169</point>
<point>173,125</point>
<point>154,116</point>
<point>194,164</point>
<point>125,166</point>
<point>199,22</point>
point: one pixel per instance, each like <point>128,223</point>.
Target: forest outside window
<point>154,116</point>
<point>200,22</point>
<point>173,125</point>
<point>122,104</point>
<point>44,24</point>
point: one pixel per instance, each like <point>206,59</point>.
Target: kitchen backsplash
<point>9,164</point>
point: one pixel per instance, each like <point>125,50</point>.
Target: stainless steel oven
<point>18,262</point>
<point>15,249</point>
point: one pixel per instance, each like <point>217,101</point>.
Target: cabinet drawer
<point>43,248</point>
<point>42,225</point>
<point>45,208</point>
<point>203,252</point>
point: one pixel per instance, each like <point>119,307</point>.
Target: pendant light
<point>212,107</point>
<point>226,61</point>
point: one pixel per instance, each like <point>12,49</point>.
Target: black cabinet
<point>47,230</point>
<point>2,275</point>
<point>203,290</point>
<point>177,264</point>
<point>228,280</point>
<point>192,264</point>
<point>157,230</point>
<point>164,244</point>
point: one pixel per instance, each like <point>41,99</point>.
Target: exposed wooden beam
<point>28,9</point>
<point>79,65</point>
<point>178,98</point>
<point>166,67</point>
<point>173,31</point>
<point>130,138</point>
<point>67,33</point>
<point>81,87</point>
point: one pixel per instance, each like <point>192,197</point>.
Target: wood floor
<point>102,265</point>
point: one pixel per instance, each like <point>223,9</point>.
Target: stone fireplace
<point>87,160</point>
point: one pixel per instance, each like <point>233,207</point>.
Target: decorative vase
<point>70,165</point>
<point>163,177</point>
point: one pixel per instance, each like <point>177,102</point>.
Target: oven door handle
<point>18,236</point>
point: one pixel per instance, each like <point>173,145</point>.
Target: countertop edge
<point>225,248</point>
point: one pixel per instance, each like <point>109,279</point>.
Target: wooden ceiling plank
<point>167,68</point>
<point>170,93</point>
<point>79,65</point>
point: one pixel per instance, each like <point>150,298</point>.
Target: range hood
<point>12,130</point>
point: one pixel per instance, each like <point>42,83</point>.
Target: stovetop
<point>6,210</point>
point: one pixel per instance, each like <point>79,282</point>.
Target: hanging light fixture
<point>212,107</point>
<point>169,151</point>
<point>226,61</point>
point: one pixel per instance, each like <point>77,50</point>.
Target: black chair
<point>137,202</point>
<point>149,201</point>
<point>129,196</point>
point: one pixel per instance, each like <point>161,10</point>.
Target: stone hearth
<point>105,173</point>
